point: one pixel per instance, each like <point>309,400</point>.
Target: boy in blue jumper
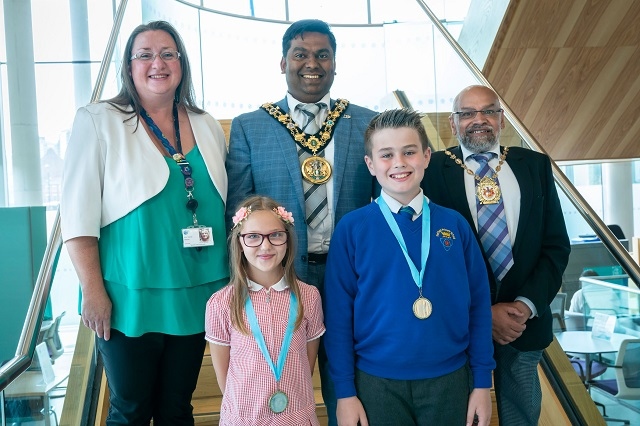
<point>409,318</point>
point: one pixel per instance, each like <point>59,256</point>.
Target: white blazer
<point>110,170</point>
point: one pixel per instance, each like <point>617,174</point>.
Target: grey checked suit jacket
<point>263,160</point>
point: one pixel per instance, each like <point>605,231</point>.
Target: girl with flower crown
<point>264,327</point>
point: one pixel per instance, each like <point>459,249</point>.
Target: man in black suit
<point>534,241</point>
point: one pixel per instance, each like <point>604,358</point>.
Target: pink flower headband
<point>244,212</point>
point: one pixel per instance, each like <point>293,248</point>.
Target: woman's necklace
<point>487,189</point>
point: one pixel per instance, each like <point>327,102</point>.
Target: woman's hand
<point>96,304</point>
<point>96,311</point>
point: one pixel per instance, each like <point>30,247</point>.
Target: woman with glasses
<point>264,328</point>
<point>143,180</point>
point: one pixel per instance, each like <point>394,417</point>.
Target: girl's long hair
<point>238,264</point>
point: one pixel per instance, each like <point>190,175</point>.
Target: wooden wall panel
<point>570,70</point>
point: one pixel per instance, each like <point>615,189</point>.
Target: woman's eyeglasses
<point>166,56</point>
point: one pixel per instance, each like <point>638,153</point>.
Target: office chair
<point>27,411</point>
<point>626,384</point>
<point>51,337</point>
<point>575,321</point>
<point>557,312</point>
<point>617,231</point>
<point>597,369</point>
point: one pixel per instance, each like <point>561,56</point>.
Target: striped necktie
<point>492,224</point>
<point>315,196</point>
<point>407,211</point>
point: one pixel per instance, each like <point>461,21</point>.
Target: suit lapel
<point>522,172</point>
<point>453,176</point>
<point>341,146</point>
<point>289,150</point>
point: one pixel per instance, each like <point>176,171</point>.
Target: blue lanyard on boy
<point>286,342</point>
<point>422,306</point>
<point>185,168</point>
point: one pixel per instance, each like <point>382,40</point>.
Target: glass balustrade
<point>235,66</point>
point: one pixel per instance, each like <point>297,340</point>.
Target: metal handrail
<point>111,45</point>
<point>29,335</point>
<point>591,217</point>
<point>600,280</point>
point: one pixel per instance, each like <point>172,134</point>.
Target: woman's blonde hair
<point>238,263</point>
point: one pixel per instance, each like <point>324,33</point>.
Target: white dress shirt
<point>395,205</point>
<point>320,237</point>
<point>510,198</point>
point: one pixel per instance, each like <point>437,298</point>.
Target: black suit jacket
<point>541,249</point>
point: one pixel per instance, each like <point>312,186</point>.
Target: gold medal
<point>316,170</point>
<point>488,191</point>
<point>422,308</point>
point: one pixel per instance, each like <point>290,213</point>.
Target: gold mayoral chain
<point>315,169</point>
<point>487,190</point>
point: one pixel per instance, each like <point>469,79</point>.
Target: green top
<point>155,284</point>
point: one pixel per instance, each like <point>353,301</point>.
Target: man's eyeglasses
<point>254,239</point>
<point>166,56</point>
<point>466,115</point>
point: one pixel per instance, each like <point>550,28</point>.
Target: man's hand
<point>522,307</point>
<point>508,321</point>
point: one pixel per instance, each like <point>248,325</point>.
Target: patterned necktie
<point>407,211</point>
<point>315,196</point>
<point>492,224</point>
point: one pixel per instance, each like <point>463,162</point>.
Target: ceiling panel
<point>570,70</point>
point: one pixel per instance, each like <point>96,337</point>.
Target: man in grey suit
<point>306,152</point>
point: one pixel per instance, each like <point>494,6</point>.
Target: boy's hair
<point>238,264</point>
<point>307,26</point>
<point>395,119</point>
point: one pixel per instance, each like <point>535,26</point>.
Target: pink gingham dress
<point>250,381</point>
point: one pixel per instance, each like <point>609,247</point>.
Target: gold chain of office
<point>315,169</point>
<point>487,189</point>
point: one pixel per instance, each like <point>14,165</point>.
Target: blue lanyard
<point>156,130</point>
<point>178,157</point>
<point>426,242</point>
<point>286,342</point>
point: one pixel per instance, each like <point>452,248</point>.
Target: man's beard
<point>478,144</point>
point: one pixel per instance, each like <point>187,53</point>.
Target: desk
<point>31,385</point>
<point>582,342</point>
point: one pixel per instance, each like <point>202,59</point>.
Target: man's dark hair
<point>307,26</point>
